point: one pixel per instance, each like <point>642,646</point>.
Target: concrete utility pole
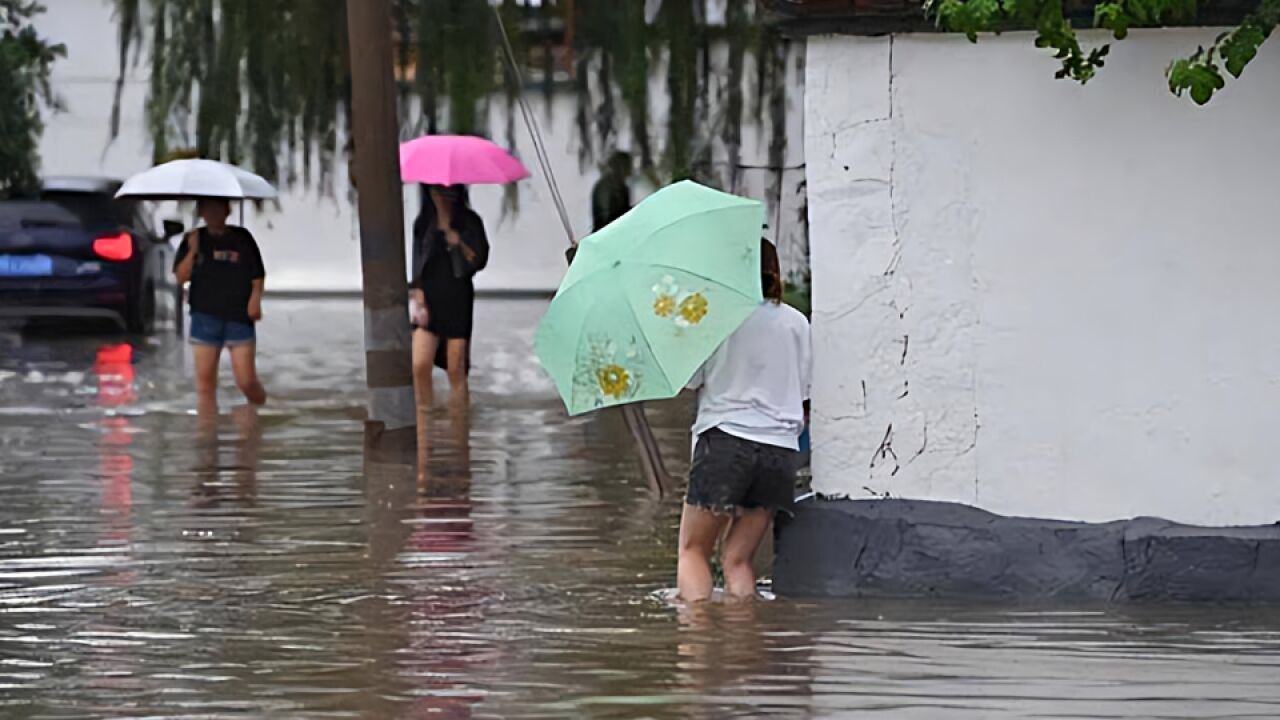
<point>375,130</point>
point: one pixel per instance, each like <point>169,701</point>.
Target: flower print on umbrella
<point>693,309</point>
<point>684,309</point>
<point>664,303</point>
<point>614,381</point>
<point>672,277</point>
<point>611,373</point>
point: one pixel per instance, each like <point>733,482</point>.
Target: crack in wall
<point>893,166</point>
<point>924,445</point>
<point>853,308</point>
<point>885,452</point>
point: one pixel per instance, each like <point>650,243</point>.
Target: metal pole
<point>375,132</point>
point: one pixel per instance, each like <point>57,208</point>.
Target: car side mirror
<point>172,228</point>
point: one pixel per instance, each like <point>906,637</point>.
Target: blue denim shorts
<point>215,331</point>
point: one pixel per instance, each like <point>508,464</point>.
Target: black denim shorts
<point>730,474</point>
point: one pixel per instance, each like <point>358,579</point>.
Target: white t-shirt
<point>755,385</point>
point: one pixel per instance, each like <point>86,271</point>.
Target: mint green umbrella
<point>650,297</point>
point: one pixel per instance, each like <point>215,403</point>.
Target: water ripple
<point>152,566</point>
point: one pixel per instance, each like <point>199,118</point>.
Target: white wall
<point>1040,298</point>
<point>311,242</point>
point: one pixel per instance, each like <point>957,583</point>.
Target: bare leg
<point>206,359</point>
<point>424,353</point>
<point>206,445</point>
<point>244,367</point>
<point>250,431</point>
<point>699,530</point>
<point>460,418</point>
<point>740,545</point>
<point>459,386</point>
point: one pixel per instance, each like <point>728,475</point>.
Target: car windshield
<point>92,210</point>
<point>36,214</point>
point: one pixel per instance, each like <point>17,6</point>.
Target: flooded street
<point>153,566</point>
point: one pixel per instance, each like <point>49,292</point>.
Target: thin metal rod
<point>535,134</point>
<point>651,464</point>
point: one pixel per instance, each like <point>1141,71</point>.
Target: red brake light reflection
<point>114,247</point>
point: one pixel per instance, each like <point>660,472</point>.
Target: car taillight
<point>114,247</point>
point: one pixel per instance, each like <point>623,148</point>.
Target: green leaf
<point>1112,16</point>
<point>1241,47</point>
<point>1201,79</point>
<point>1200,75</point>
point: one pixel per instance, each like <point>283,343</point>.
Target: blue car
<point>76,252</point>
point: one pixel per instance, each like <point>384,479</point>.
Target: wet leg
<point>244,367</point>
<point>699,530</point>
<point>459,387</point>
<point>460,427</point>
<point>206,359</point>
<point>424,353</point>
<point>247,450</point>
<point>740,546</point>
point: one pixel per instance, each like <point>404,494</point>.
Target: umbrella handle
<point>651,465</point>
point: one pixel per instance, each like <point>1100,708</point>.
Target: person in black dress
<point>449,248</point>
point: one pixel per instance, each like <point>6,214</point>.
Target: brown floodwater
<point>154,565</point>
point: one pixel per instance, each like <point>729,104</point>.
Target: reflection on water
<point>159,563</point>
<point>217,480</point>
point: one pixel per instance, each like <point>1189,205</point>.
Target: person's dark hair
<point>621,164</point>
<point>427,207</point>
<point>770,272</point>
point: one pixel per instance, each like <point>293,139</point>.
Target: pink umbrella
<point>458,160</point>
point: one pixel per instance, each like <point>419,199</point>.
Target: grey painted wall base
<point>911,548</point>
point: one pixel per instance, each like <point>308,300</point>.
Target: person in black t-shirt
<point>225,270</point>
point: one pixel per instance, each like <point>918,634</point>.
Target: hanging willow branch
<point>266,82</point>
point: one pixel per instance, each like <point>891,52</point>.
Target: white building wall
<point>310,242</point>
<point>1040,298</point>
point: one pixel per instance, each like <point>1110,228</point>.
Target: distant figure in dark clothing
<point>449,248</point>
<point>611,196</point>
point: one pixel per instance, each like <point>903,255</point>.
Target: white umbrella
<point>188,179</point>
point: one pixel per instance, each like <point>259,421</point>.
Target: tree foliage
<point>261,82</point>
<point>26,61</point>
<point>1199,75</point>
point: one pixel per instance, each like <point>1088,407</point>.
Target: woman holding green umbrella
<point>753,394</point>
<point>678,290</point>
